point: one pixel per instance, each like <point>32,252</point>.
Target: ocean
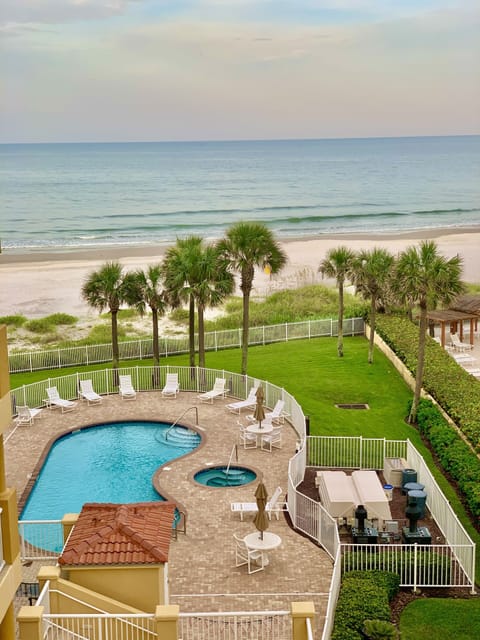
<point>67,196</point>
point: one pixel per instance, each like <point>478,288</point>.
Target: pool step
<point>181,437</point>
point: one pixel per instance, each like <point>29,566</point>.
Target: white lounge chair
<point>54,400</point>
<point>218,391</point>
<point>25,415</point>
<point>171,387</point>
<point>273,506</point>
<point>276,415</point>
<point>125,388</point>
<point>250,401</point>
<point>244,555</point>
<point>88,394</point>
<point>458,345</point>
<point>272,440</point>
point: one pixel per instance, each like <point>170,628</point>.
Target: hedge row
<point>452,387</point>
<point>443,377</point>
<point>363,596</point>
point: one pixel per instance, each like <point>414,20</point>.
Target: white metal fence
<point>214,341</point>
<point>2,561</point>
<point>105,626</point>
<point>239,625</point>
<point>40,539</point>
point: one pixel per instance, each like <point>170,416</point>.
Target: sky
<point>154,70</point>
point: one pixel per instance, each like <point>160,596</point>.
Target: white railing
<point>40,539</point>
<point>2,561</point>
<point>334,590</point>
<point>238,625</point>
<point>99,626</point>
<point>169,346</point>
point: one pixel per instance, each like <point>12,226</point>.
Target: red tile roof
<point>119,534</point>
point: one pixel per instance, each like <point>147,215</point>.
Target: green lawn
<point>448,619</point>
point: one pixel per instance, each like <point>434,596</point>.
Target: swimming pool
<point>113,462</point>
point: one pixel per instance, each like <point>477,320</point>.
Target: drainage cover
<point>352,406</point>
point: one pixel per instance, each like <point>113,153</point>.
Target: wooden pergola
<point>455,320</point>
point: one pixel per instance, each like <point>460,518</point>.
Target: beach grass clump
<point>14,321</point>
<point>39,325</point>
<point>123,314</point>
<point>61,319</point>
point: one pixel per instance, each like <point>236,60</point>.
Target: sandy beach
<point>37,284</point>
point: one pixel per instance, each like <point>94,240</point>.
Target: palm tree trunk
<point>191,331</point>
<point>422,338</point>
<point>371,343</point>
<point>201,337</point>
<point>246,322</point>
<point>115,351</point>
<point>156,347</point>
<point>340,320</point>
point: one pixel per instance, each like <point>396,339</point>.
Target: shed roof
<point>120,534</point>
<point>467,304</point>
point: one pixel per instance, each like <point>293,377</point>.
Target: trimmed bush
<point>363,596</point>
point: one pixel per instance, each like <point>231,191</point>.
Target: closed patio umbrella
<point>261,519</point>
<point>259,413</point>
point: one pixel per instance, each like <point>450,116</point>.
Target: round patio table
<point>260,431</point>
<point>270,541</point>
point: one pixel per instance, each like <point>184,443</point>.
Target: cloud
<point>60,11</point>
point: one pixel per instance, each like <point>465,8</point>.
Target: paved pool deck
<point>202,571</point>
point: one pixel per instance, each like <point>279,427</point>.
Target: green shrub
<point>40,325</point>
<point>13,321</point>
<point>61,319</point>
<point>380,630</point>
<point>363,595</point>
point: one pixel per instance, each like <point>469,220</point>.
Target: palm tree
<point>426,278</point>
<point>104,289</point>
<point>371,274</point>
<point>145,288</point>
<point>178,269</point>
<point>338,264</point>
<point>213,282</point>
<point>248,245</point>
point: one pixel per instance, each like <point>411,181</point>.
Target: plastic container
<point>408,475</point>
<point>388,488</point>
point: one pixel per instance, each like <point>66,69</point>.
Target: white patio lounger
<point>273,506</point>
<point>125,388</point>
<point>25,415</point>
<point>217,391</point>
<point>171,387</point>
<point>276,415</point>
<point>88,394</point>
<point>250,401</point>
<point>54,400</point>
<point>458,345</point>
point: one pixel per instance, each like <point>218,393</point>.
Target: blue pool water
<point>109,463</point>
<point>223,477</point>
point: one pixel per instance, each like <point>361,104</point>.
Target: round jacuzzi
<point>224,476</point>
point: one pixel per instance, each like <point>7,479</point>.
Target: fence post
<point>415,562</point>
<point>166,621</point>
<point>30,623</point>
<point>300,611</point>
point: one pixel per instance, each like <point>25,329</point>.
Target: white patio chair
<point>246,439</point>
<point>125,388</point>
<point>273,506</point>
<point>272,440</point>
<point>54,400</point>
<point>25,415</point>
<point>218,391</point>
<point>171,387</point>
<point>87,392</point>
<point>244,555</point>
<point>250,401</point>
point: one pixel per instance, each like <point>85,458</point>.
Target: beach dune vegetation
<point>248,245</point>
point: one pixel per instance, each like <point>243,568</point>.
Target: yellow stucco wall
<point>140,587</point>
<point>11,574</point>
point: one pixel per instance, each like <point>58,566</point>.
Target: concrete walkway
<point>202,569</point>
